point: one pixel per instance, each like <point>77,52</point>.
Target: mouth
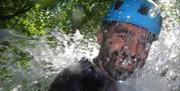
<point>123,61</point>
<point>121,65</point>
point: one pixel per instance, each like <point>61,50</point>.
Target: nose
<point>116,43</point>
<point>135,48</point>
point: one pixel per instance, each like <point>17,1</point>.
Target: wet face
<point>123,49</point>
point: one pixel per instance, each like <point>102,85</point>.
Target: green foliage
<point>85,15</point>
<point>4,74</point>
<point>172,10</point>
<point>11,8</point>
<point>34,22</point>
<point>177,9</point>
<point>12,59</point>
<point>68,15</point>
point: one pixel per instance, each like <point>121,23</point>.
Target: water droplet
<point>135,60</point>
<point>89,70</point>
<point>121,81</point>
<point>105,31</point>
<point>153,12</point>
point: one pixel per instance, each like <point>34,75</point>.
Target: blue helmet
<point>142,13</point>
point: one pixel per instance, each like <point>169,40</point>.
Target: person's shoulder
<point>71,77</point>
<point>78,69</point>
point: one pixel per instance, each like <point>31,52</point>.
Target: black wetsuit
<point>84,78</point>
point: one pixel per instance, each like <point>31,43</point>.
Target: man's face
<point>123,49</point>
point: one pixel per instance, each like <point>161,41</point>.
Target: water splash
<point>161,71</point>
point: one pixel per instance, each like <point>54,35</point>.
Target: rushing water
<point>161,72</point>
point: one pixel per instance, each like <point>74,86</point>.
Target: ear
<point>99,36</point>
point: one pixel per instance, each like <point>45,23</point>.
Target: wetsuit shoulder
<point>66,81</point>
<point>80,77</point>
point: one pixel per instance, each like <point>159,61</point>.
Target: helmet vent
<point>118,4</point>
<point>144,10</point>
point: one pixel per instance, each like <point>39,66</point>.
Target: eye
<point>124,33</point>
<point>143,10</point>
<point>118,4</point>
